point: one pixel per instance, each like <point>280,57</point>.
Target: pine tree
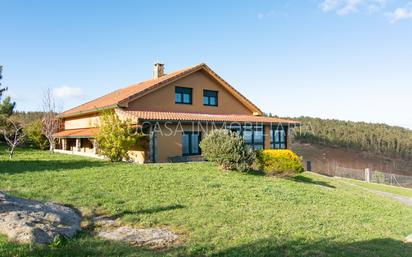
<point>6,106</point>
<point>376,138</point>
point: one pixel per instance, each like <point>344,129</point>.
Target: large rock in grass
<point>151,237</point>
<point>29,221</point>
<point>408,239</point>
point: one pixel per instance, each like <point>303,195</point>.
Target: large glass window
<point>183,95</point>
<point>278,138</point>
<point>190,143</point>
<point>209,98</point>
<point>258,138</point>
<point>252,134</point>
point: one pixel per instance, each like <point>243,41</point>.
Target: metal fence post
<point>367,175</point>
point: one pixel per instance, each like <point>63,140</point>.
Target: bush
<point>279,162</point>
<point>228,150</point>
<point>35,136</point>
<point>116,137</point>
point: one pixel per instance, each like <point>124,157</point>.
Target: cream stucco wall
<point>82,122</point>
<point>164,99</point>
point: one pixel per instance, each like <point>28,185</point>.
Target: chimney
<point>158,70</point>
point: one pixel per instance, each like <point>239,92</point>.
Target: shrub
<point>228,150</point>
<point>276,162</point>
<point>35,136</point>
<point>116,137</point>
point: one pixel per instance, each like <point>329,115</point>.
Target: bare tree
<point>13,135</point>
<point>50,120</point>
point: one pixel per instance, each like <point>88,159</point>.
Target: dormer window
<point>183,95</point>
<point>209,98</point>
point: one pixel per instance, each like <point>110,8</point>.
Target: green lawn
<point>216,213</point>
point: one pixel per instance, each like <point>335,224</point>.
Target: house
<point>175,110</point>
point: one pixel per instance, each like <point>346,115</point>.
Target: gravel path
<point>402,199</point>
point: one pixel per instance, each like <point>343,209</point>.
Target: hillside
<point>374,138</point>
<point>324,159</point>
<point>215,213</point>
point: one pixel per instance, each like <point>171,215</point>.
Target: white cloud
<point>263,15</point>
<point>349,7</point>
<point>65,92</point>
<point>329,5</point>
<point>345,7</point>
<point>400,13</point>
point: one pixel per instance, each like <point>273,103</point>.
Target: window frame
<point>210,94</point>
<point>280,140</point>
<point>184,91</point>
<point>253,143</point>
<point>190,134</point>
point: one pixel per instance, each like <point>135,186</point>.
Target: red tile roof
<point>199,117</point>
<point>119,96</point>
<point>85,132</point>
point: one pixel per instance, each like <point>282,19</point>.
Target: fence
<point>333,169</point>
<point>391,179</point>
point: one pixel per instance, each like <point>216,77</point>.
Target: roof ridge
<point>123,95</point>
<point>153,80</point>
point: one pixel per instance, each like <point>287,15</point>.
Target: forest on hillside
<point>375,138</point>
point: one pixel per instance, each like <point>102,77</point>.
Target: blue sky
<point>345,59</point>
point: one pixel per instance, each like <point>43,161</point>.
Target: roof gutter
<point>62,115</point>
<point>185,122</point>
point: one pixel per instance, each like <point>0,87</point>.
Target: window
<point>252,134</point>
<point>190,143</point>
<point>209,98</point>
<point>278,138</point>
<point>257,140</point>
<point>183,95</point>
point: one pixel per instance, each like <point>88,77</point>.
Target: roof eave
<point>89,111</point>
<point>283,123</point>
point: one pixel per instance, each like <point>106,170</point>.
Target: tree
<point>375,138</point>
<point>35,136</point>
<point>1,76</point>
<point>116,137</point>
<point>6,106</point>
<point>50,120</point>
<point>13,135</point>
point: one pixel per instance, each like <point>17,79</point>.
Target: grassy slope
<point>381,187</point>
<point>217,213</point>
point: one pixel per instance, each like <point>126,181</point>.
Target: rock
<point>29,221</point>
<point>408,239</point>
<point>154,237</point>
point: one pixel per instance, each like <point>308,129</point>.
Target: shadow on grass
<point>86,245</point>
<point>306,180</point>
<point>20,166</point>
<point>83,245</point>
<point>147,211</point>
<point>385,247</point>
